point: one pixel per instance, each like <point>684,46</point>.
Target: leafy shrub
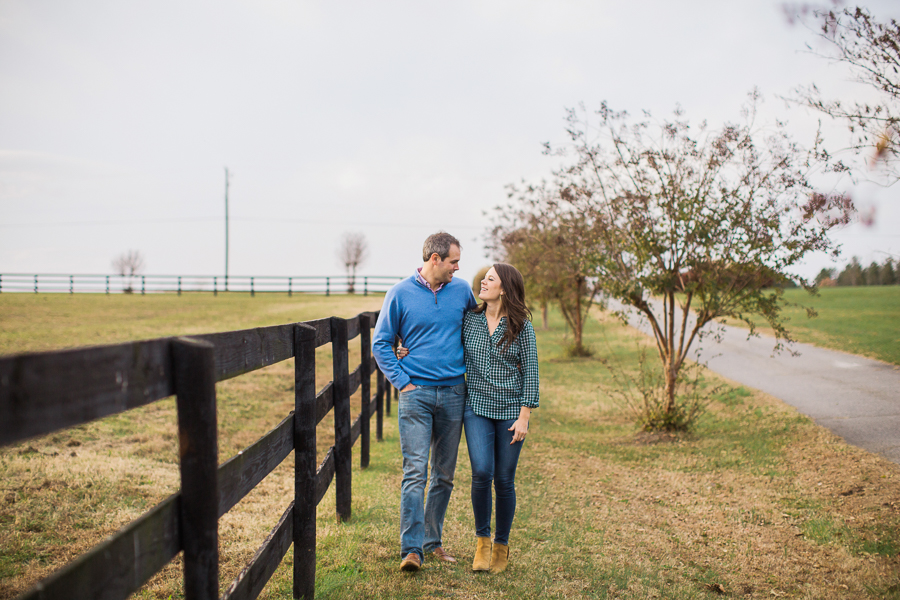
<point>643,394</point>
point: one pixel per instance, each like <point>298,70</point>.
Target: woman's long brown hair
<point>512,301</point>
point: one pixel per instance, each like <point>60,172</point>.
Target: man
<point>426,312</point>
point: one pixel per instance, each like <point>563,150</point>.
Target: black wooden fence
<point>47,283</point>
<point>44,392</point>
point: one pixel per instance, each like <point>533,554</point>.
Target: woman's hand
<point>519,429</point>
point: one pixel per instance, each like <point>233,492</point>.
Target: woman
<point>501,391</point>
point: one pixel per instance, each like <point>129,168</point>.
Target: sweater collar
<point>424,282</point>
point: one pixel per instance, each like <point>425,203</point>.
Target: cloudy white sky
<point>391,118</point>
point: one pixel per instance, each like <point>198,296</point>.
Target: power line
<point>357,223</point>
<point>231,218</point>
<point>301,221</point>
<point>109,222</point>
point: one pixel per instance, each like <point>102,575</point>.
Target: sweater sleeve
<point>531,392</point>
<point>386,330</point>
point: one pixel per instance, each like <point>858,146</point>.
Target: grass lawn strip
<point>759,502</point>
<point>861,320</point>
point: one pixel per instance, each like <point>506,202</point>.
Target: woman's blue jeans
<point>493,460</point>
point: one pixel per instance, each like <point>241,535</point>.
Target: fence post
<point>107,285</point>
<point>143,285</point>
<point>304,461</point>
<point>379,405</point>
<point>215,286</point>
<point>365,387</point>
<point>390,390</point>
<point>328,286</point>
<point>388,387</point>
<point>179,285</point>
<point>365,286</point>
<point>35,284</point>
<point>290,285</point>
<point>193,367</point>
<point>343,450</point>
<point>252,291</point>
<point>1,284</point>
<point>71,284</point>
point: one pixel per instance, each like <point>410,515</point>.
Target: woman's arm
<point>531,384</point>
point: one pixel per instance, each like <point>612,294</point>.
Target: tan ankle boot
<point>482,560</point>
<point>499,558</point>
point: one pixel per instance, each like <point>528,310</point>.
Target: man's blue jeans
<point>494,460</point>
<point>430,419</point>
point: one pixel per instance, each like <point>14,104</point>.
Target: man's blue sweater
<point>430,325</point>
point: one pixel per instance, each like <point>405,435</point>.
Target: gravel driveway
<point>857,398</point>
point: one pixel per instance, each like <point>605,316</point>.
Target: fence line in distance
<point>151,284</point>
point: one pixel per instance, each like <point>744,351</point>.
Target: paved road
<point>856,398</point>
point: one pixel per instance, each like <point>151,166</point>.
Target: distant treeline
<point>887,273</point>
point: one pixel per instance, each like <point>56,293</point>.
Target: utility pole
<point>226,229</point>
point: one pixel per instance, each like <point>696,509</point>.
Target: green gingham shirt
<point>496,386</point>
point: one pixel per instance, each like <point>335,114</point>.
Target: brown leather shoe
<point>412,562</point>
<point>441,554</point>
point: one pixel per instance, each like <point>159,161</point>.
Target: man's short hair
<point>439,243</point>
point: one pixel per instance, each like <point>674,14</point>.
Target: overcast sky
<point>394,119</point>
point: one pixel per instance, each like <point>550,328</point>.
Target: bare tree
<point>353,251</point>
<point>708,221</point>
<point>870,48</point>
<point>128,265</point>
<point>553,244</point>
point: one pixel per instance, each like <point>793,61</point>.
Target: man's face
<point>444,269</point>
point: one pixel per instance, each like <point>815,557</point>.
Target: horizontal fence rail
<point>54,283</point>
<point>44,392</point>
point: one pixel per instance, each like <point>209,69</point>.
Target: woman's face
<point>491,288</point>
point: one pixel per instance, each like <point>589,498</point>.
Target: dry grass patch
<point>733,509</point>
<point>64,492</point>
<point>758,502</point>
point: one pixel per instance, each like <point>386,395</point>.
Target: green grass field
<point>758,502</point>
<point>859,320</point>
